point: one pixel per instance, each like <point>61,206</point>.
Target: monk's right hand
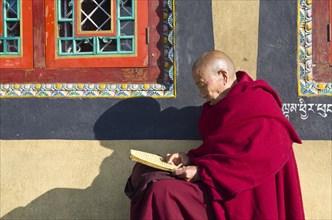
<point>178,159</point>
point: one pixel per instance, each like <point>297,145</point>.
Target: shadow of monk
<point>119,128</point>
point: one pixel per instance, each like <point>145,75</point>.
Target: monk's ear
<point>223,74</point>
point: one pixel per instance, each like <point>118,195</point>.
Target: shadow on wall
<point>105,199</point>
<point>142,118</point>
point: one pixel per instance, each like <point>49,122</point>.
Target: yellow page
<point>151,160</point>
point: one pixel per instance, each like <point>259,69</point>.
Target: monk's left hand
<point>187,173</point>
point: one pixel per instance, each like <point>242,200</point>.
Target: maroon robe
<point>246,164</point>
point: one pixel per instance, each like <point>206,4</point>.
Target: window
<point>97,30</point>
<point>97,48</point>
<point>15,34</point>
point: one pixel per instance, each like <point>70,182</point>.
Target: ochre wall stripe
<point>235,26</point>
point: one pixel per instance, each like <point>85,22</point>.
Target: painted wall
<point>68,158</point>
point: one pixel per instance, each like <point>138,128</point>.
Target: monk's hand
<point>178,159</point>
<point>187,173</point>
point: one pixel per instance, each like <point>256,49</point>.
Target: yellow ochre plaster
<point>68,179</point>
<point>235,26</point>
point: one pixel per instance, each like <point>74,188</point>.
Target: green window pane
<point>10,40</point>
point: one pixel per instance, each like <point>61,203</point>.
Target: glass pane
<point>126,7</point>
<point>127,27</point>
<point>66,9</point>
<point>13,28</point>
<point>65,29</point>
<point>66,46</point>
<point>1,46</point>
<point>107,45</point>
<point>126,45</point>
<point>12,46</point>
<point>10,41</point>
<point>85,45</point>
<point>12,8</point>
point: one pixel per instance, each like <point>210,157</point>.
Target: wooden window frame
<point>138,59</point>
<point>1,8</point>
<point>330,28</point>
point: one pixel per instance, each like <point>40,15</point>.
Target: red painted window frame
<point>140,59</point>
<point>320,41</point>
<point>25,59</point>
<point>40,74</point>
<point>330,26</point>
<point>1,17</point>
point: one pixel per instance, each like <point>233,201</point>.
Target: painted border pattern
<point>166,89</point>
<point>306,84</point>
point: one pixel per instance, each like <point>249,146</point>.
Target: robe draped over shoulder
<point>246,159</point>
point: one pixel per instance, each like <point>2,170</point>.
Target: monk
<point>245,167</point>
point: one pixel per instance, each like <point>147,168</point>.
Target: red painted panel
<point>138,60</point>
<point>26,58</point>
<point>95,75</point>
<point>322,72</point>
<point>39,33</point>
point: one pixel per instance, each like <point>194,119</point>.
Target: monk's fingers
<point>179,165</point>
<point>179,171</point>
<point>176,172</point>
<point>167,157</point>
<point>172,159</point>
<point>187,173</point>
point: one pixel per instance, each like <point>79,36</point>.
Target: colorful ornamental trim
<point>306,85</point>
<point>85,90</point>
<point>165,89</point>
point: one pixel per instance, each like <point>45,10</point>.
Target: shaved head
<point>214,75</point>
<point>216,60</point>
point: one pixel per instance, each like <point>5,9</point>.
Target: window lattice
<point>95,15</point>
<point>81,30</point>
<point>10,40</point>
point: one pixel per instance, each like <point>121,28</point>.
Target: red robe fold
<point>246,165</point>
<point>246,158</point>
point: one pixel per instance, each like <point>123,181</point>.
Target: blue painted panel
<point>277,64</point>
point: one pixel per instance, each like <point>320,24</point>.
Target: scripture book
<point>151,160</point>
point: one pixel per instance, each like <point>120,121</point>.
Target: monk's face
<point>209,83</point>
